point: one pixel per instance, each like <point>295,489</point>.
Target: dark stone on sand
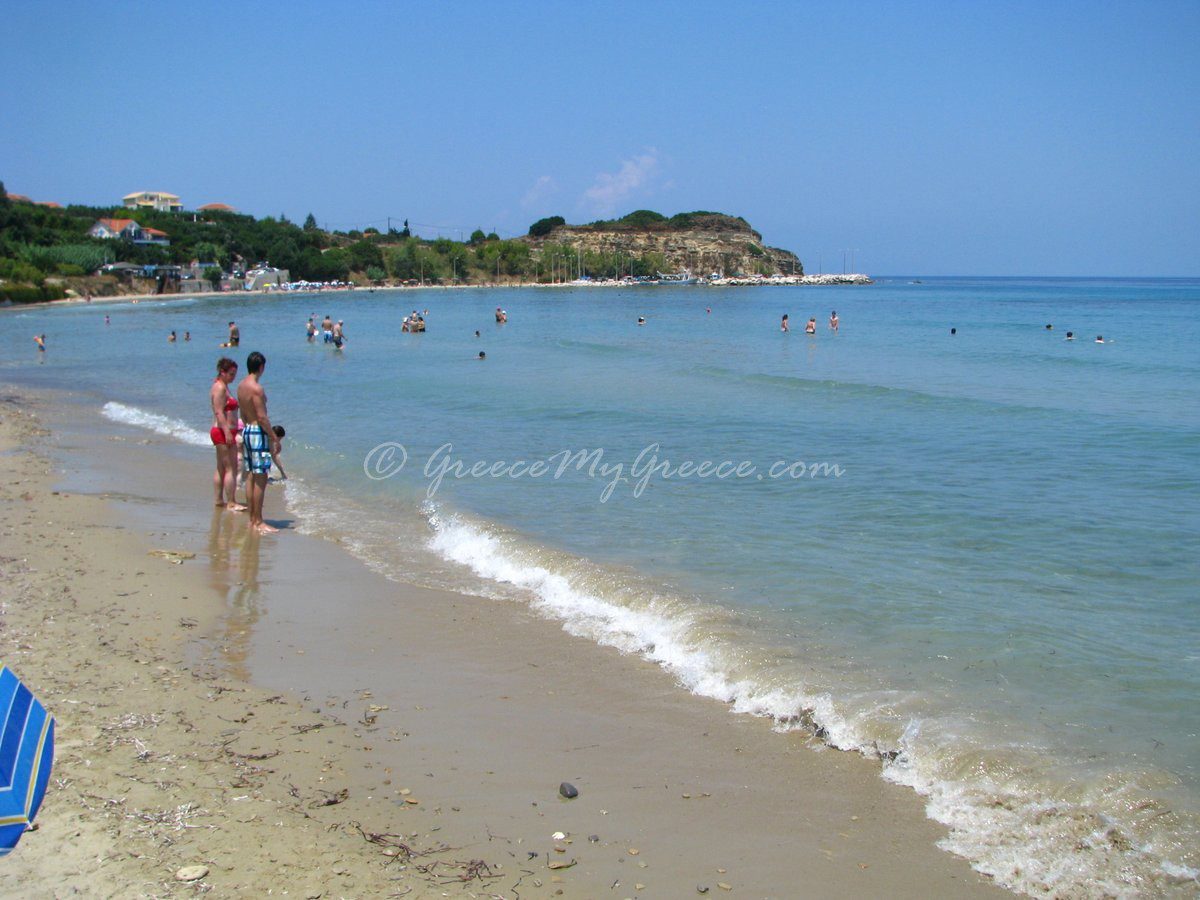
<point>568,790</point>
<point>594,838</point>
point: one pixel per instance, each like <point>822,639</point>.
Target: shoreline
<point>513,706</point>
<point>785,280</point>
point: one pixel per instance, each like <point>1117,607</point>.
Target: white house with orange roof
<point>128,230</point>
<point>158,200</point>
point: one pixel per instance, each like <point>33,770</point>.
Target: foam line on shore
<point>164,425</point>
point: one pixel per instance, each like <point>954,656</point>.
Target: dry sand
<point>272,711</point>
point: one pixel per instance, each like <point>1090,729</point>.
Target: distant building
<point>49,203</point>
<point>157,200</point>
<point>19,198</point>
<point>128,230</point>
<point>216,207</point>
<point>266,276</point>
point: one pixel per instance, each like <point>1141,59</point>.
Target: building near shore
<point>263,277</point>
<point>156,200</point>
<point>216,207</point>
<point>128,230</point>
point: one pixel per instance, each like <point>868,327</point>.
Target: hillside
<point>699,242</point>
<point>46,250</point>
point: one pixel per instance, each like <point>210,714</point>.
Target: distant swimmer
<point>708,309</point>
<point>339,335</point>
<point>106,321</point>
<point>641,320</point>
<point>187,336</point>
<point>1070,335</point>
<point>783,324</point>
<point>811,327</point>
<point>40,340</point>
<point>476,332</point>
<point>171,338</point>
<point>1100,339</point>
<point>235,336</point>
<point>327,329</point>
<point>833,321</point>
<point>310,330</point>
<point>954,331</point>
<point>482,355</point>
<point>1049,327</point>
<point>501,315</point>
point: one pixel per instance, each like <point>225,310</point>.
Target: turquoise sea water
<point>986,573</point>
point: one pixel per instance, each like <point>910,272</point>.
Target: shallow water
<point>986,572</point>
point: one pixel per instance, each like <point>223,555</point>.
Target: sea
<point>948,536</point>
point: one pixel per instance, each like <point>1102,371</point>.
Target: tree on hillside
<point>543,227</point>
<point>477,237</point>
<point>310,223</point>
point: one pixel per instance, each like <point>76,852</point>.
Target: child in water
<point>279,433</point>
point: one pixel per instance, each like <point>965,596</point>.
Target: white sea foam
<point>696,642</point>
<point>174,428</point>
<point>1005,816</point>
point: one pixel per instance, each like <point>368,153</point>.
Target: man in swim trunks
<point>235,336</point>
<point>259,441</point>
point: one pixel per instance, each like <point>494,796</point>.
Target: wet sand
<point>265,705</point>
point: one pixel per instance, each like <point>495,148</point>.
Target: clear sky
<point>972,137</point>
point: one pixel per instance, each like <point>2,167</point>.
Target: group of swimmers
<point>331,332</point>
<point>171,339</point>
<point>811,326</point>
<point>1071,336</point>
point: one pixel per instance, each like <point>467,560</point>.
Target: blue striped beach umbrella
<point>26,753</point>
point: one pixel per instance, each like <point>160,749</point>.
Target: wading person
<point>259,442</point>
<point>224,434</point>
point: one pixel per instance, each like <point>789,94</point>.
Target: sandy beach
<point>271,711</point>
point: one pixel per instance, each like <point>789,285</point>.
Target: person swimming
<point>811,327</point>
<point>1070,335</point>
<point>1099,339</point>
<point>482,355</point>
<point>833,321</point>
<point>40,340</point>
<point>171,338</point>
<point>641,320</point>
<point>954,331</point>
<point>783,324</point>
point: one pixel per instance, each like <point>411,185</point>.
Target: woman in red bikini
<point>223,434</point>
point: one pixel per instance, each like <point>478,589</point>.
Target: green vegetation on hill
<point>42,247</point>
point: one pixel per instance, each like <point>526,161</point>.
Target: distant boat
<point>677,278</point>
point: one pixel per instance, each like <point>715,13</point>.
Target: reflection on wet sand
<point>234,560</point>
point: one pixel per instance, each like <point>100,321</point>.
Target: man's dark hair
<point>279,431</point>
<point>254,362</point>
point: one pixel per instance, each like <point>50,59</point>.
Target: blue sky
<point>935,138</point>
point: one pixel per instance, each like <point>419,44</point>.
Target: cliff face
<point>701,243</point>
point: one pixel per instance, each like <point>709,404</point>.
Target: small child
<point>279,433</point>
